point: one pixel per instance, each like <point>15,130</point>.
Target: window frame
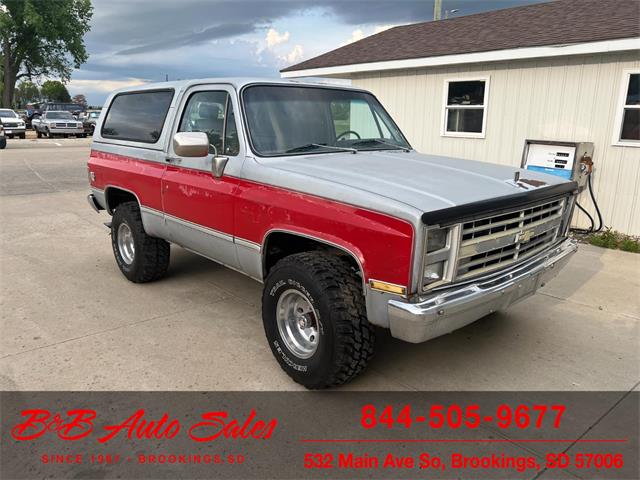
<point>620,108</point>
<point>227,102</point>
<point>204,163</point>
<point>446,107</point>
<point>135,140</point>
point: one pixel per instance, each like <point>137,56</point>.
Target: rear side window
<point>138,117</point>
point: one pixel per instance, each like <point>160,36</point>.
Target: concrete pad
<point>70,320</point>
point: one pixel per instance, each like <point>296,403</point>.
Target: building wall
<point>562,98</point>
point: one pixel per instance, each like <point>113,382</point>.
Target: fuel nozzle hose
<point>592,228</point>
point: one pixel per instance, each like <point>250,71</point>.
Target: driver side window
<point>207,112</point>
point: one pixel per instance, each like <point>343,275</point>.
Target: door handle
<point>173,160</point>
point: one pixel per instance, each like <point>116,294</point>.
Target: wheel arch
<point>114,196</point>
<point>279,243</point>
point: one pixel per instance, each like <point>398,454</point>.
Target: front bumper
<point>66,130</point>
<point>14,130</point>
<point>445,311</point>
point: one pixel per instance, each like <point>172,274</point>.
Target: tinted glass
<point>466,93</point>
<point>633,92</point>
<point>60,116</point>
<point>205,113</point>
<point>7,114</point>
<point>464,120</point>
<point>138,117</point>
<point>631,124</point>
<point>231,142</point>
<point>290,120</point>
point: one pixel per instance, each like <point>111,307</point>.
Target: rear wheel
<point>315,319</point>
<point>140,257</point>
<point>38,133</point>
<point>23,136</point>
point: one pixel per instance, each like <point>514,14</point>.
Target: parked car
<point>53,123</point>
<point>3,138</point>
<point>89,119</point>
<point>314,191</point>
<point>13,125</point>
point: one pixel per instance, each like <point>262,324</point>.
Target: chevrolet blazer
<point>314,191</point>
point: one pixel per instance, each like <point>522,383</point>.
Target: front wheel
<point>315,319</point>
<point>140,257</point>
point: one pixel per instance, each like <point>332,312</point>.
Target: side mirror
<point>191,144</point>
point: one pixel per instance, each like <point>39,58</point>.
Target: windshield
<point>286,120</point>
<point>60,115</point>
<point>7,114</point>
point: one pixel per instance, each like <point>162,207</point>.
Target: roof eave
<point>616,45</point>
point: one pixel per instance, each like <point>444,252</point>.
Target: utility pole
<point>437,10</point>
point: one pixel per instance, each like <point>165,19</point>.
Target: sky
<point>132,42</point>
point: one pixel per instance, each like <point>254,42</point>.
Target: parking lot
<point>70,320</point>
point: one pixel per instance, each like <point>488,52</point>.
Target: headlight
<point>436,239</point>
<point>440,255</point>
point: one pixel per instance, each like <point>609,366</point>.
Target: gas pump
<point>570,160</point>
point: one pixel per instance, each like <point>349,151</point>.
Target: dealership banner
<point>329,434</point>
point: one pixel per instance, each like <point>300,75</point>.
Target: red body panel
<point>138,176</point>
<point>198,197</point>
<point>382,244</point>
<point>250,210</point>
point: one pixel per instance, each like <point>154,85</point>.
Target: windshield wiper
<point>377,140</point>
<point>313,146</point>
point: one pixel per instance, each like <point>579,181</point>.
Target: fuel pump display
<point>570,160</point>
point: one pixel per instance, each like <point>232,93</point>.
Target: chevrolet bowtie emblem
<point>526,235</point>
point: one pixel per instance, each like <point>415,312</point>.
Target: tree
<point>26,92</point>
<point>80,99</point>
<point>55,91</point>
<point>41,38</point>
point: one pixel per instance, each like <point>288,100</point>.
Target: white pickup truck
<point>54,123</point>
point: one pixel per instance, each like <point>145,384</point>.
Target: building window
<point>627,126</point>
<point>465,107</point>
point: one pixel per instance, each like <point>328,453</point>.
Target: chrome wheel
<point>126,246</point>
<point>297,323</point>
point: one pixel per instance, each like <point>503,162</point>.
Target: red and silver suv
<point>314,191</point>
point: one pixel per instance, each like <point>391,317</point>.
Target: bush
<point>615,240</point>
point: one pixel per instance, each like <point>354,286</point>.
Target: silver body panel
<point>400,184</point>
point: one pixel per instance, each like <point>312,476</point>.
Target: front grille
<point>492,243</point>
<point>61,125</point>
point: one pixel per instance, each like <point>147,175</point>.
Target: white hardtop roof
<point>236,82</point>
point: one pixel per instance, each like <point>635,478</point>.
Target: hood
<point>425,182</point>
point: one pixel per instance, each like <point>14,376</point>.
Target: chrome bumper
<point>445,311</point>
<point>94,203</point>
<point>66,130</point>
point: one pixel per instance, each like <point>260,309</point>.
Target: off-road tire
<point>335,291</point>
<point>23,136</point>
<point>151,259</point>
<point>38,133</point>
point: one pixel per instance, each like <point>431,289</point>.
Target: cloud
<point>295,55</point>
<point>211,33</point>
<point>355,36</point>
<point>359,34</point>
<point>274,38</point>
<point>382,28</point>
<point>104,86</point>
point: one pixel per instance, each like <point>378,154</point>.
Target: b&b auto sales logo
<point>79,424</point>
